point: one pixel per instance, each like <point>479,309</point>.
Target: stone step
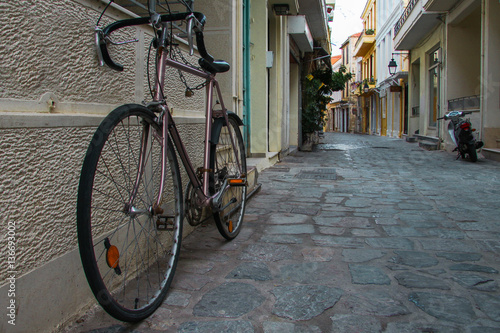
<point>428,145</point>
<point>426,138</point>
<point>492,154</point>
<point>411,139</point>
<point>252,178</point>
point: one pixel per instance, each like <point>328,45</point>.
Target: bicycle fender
<point>235,117</point>
<point>219,123</point>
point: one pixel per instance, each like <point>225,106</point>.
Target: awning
<point>299,30</point>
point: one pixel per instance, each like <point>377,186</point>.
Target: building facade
<point>284,47</point>
<point>347,111</point>
<point>442,77</point>
<point>334,123</point>
<point>393,114</point>
<point>365,49</point>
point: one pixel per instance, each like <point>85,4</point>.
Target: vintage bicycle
<point>130,206</point>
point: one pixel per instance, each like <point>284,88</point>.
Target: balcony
<point>315,11</point>
<point>440,5</point>
<point>365,43</point>
<point>414,24</point>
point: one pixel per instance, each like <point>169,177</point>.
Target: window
<point>434,86</point>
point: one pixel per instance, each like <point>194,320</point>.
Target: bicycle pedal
<point>237,182</point>
<point>165,223</point>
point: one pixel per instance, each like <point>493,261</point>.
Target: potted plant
<point>370,32</point>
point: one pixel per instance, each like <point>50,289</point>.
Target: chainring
<point>192,211</point>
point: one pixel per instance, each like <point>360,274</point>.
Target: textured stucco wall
<point>39,171</point>
<point>47,53</point>
<point>39,174</point>
<point>48,48</point>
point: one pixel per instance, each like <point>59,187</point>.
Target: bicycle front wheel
<point>129,247</point>
<point>227,162</point>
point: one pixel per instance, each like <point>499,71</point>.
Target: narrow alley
<point>364,234</point>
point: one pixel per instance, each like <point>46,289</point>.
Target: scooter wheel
<point>471,151</point>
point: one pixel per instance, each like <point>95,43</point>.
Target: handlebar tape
<point>201,47</point>
<point>146,20</point>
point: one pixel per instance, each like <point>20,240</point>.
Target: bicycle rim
<point>128,249</point>
<point>223,161</point>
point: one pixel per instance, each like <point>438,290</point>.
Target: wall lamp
<point>393,65</point>
<point>281,9</point>
<point>366,88</point>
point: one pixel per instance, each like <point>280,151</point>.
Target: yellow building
<point>365,48</point>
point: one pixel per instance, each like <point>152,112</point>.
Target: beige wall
<point>51,58</point>
<point>421,54</point>
<point>258,74</point>
<point>464,68</point>
<point>491,75</point>
<point>294,104</point>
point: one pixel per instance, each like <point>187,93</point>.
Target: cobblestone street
<point>364,234</point>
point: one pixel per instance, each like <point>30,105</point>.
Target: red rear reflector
<point>112,256</point>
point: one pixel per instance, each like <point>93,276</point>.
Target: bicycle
<point>130,206</point>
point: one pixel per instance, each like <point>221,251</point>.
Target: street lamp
<point>392,66</point>
<point>366,88</point>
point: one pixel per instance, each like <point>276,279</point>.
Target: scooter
<point>461,133</point>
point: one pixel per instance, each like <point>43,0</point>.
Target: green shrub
<point>318,86</point>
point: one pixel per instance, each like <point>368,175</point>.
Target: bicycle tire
<point>128,260</point>
<point>229,220</point>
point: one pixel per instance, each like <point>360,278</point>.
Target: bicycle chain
<point>189,90</point>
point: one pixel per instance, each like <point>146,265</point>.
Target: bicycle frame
<point>169,128</point>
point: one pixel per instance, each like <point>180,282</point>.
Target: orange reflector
<point>112,256</point>
<point>236,181</point>
<point>230,226</point>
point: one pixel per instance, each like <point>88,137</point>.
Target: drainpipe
<point>484,65</point>
<point>246,74</point>
<point>444,89</point>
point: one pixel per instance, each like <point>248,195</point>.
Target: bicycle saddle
<point>216,66</point>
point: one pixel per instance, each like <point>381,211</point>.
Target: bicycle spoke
<point>121,248</point>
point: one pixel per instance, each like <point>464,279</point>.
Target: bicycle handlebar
<point>102,47</point>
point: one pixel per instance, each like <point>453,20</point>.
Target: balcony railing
<point>464,103</point>
<point>404,16</point>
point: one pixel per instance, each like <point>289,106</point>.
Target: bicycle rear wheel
<point>129,248</point>
<point>224,163</point>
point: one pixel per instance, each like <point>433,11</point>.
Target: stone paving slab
<point>364,234</point>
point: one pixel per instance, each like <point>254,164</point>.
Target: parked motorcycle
<point>461,133</point>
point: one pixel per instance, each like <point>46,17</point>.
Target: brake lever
<point>102,51</point>
<point>190,24</point>
<point>98,38</point>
